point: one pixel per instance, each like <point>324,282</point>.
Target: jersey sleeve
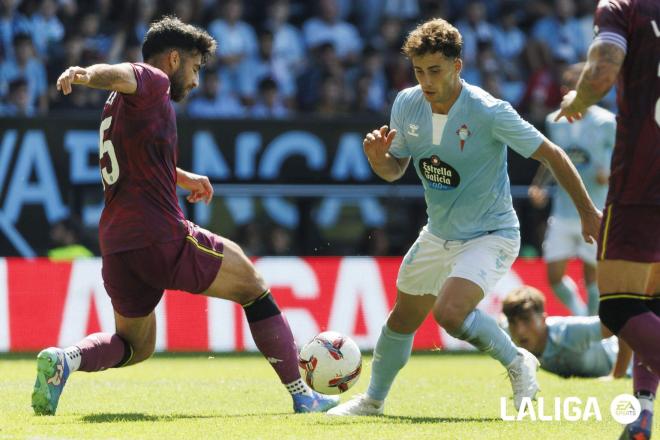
<point>583,331</point>
<point>508,127</point>
<point>152,84</point>
<point>611,22</point>
<point>399,147</point>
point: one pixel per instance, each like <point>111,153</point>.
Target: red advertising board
<point>43,303</point>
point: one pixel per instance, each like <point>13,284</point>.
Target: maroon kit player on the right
<point>146,243</point>
<point>626,50</point>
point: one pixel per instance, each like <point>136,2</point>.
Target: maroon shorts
<point>631,233</point>
<point>136,279</point>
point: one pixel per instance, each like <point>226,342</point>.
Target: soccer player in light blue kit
<point>589,143</point>
<point>456,135</point>
<point>568,346</point>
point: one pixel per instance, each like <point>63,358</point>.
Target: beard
<point>177,87</point>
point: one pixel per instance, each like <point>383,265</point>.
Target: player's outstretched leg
<point>96,352</point>
<point>390,355</point>
<point>272,335</point>
<point>645,385</point>
<point>238,281</point>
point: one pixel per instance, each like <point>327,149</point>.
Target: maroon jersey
<point>634,25</point>
<point>138,155</point>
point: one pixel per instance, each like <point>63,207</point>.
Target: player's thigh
<point>237,280</point>
<point>409,312</point>
<point>425,266</point>
<point>478,266</point>
<point>140,333</point>
<point>212,265</point>
<point>125,279</point>
<point>631,277</point>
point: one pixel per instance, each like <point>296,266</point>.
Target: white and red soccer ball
<point>330,363</point>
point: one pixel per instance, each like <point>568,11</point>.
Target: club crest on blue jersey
<point>463,133</point>
<point>439,175</point>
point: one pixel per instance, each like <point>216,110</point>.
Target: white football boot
<point>359,405</point>
<point>522,373</point>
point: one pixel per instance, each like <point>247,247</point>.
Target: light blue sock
<point>391,354</point>
<point>483,332</point>
<point>567,292</point>
<point>594,298</point>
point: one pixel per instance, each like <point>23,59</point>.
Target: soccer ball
<point>330,363</point>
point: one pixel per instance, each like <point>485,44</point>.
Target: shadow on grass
<point>411,419</point>
<point>141,417</point>
<point>405,420</point>
<point>138,417</point>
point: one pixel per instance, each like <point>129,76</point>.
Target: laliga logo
<point>624,409</point>
<point>571,410</point>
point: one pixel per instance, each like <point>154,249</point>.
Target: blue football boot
<point>52,373</point>
<point>302,403</point>
<point>640,429</point>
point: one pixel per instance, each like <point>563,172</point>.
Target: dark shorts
<point>631,233</point>
<point>136,279</point>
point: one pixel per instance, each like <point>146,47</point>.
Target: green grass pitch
<point>197,396</point>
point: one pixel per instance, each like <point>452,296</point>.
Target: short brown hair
<point>171,33</point>
<point>436,35</point>
<point>522,300</point>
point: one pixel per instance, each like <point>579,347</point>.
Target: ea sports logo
<point>625,408</point>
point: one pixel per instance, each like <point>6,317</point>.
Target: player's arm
<point>199,186</point>
<point>376,146</point>
<point>599,74</point>
<point>536,191</point>
<point>557,161</point>
<point>117,77</point>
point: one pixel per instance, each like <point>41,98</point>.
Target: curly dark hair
<point>522,300</point>
<point>171,33</point>
<point>436,35</point>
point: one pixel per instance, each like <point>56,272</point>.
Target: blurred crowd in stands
<point>279,58</point>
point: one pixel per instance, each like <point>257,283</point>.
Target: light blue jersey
<point>575,347</point>
<point>461,159</point>
<point>589,143</point>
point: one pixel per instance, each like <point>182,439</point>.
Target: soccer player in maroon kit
<point>626,50</point>
<point>146,243</point>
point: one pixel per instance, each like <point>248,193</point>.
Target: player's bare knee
<point>449,318</point>
<point>142,352</point>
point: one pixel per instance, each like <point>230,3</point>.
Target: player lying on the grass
<point>589,144</point>
<point>456,135</point>
<point>565,345</point>
<point>146,243</point>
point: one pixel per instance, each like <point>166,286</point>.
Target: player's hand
<point>72,75</point>
<point>571,108</point>
<point>199,186</point>
<point>538,196</point>
<point>591,225</point>
<point>377,143</point>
